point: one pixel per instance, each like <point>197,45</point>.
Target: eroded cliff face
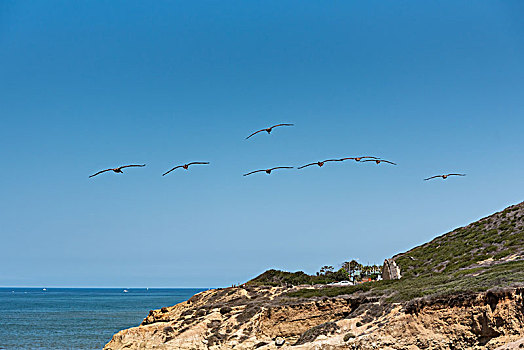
<point>262,317</point>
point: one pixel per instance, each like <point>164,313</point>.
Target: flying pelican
<point>119,169</point>
<point>444,176</point>
<point>378,161</point>
<point>268,171</point>
<point>268,130</point>
<point>320,164</point>
<point>185,166</point>
<point>357,159</point>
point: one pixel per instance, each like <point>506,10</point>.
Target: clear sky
<point>86,85</point>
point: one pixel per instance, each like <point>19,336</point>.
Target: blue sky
<point>434,86</point>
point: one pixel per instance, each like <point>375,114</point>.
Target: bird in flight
<point>268,130</point>
<point>320,164</point>
<point>357,159</point>
<point>119,169</point>
<point>268,171</point>
<point>378,161</point>
<point>445,176</point>
<point>185,166</point>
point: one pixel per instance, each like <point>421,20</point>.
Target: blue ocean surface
<point>76,318</point>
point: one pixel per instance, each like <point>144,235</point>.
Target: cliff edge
<point>262,318</point>
<point>462,290</point>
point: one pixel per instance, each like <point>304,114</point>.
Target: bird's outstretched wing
<point>197,163</point>
<point>283,124</point>
<point>131,165</point>
<point>429,178</point>
<point>256,132</point>
<point>256,171</point>
<point>358,158</point>
<point>304,166</point>
<point>100,172</point>
<point>269,129</point>
<point>281,167</point>
<point>457,174</point>
<point>379,160</point>
<point>167,172</point>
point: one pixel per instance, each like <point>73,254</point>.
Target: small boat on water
<point>125,291</point>
<point>44,289</point>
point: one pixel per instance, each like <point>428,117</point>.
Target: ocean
<point>76,318</point>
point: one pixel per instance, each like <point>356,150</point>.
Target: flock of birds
<point>268,171</point>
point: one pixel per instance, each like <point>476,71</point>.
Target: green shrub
<point>331,291</point>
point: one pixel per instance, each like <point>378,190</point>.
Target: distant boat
<point>125,291</point>
<point>44,289</point>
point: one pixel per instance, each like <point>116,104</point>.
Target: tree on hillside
<point>351,267</point>
<point>326,270</point>
<point>345,266</point>
<point>355,266</point>
<point>340,275</point>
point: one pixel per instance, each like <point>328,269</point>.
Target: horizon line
<point>102,287</point>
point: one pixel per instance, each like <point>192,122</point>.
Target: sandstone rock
<point>279,341</point>
<point>348,336</point>
<point>467,321</point>
<point>390,270</point>
<point>317,332</point>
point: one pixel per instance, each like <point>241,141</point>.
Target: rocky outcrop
<point>390,270</point>
<point>266,318</point>
<point>464,321</point>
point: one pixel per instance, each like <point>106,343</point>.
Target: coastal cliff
<point>462,290</point>
<point>261,318</point>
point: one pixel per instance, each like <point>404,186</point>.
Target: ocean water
<point>76,318</point>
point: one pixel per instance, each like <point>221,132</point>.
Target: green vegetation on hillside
<point>496,237</point>
<point>334,291</point>
<point>485,254</point>
<point>405,289</point>
<point>350,270</point>
<point>280,278</point>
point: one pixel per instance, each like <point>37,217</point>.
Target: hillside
<point>459,291</point>
<point>496,239</point>
<point>281,278</point>
<point>485,254</point>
